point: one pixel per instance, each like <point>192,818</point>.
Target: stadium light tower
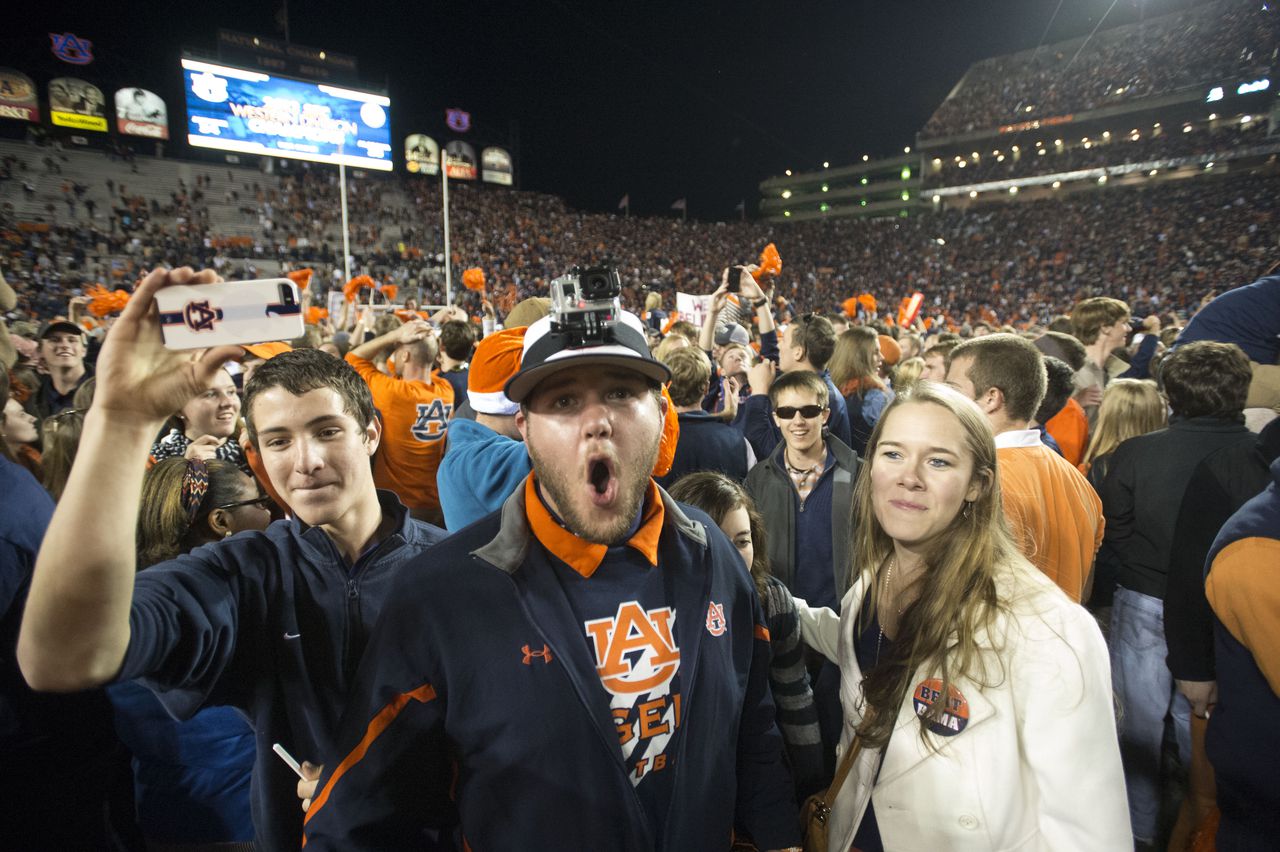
<point>342,192</point>
<point>444,203</point>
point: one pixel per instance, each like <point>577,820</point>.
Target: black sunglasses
<point>808,412</point>
<point>256,501</point>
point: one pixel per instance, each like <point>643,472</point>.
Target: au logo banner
<point>458,120</point>
<point>69,47</point>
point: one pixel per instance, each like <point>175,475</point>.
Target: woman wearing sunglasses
<point>191,778</point>
<point>977,698</point>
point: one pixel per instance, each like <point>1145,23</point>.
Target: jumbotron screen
<point>233,109</point>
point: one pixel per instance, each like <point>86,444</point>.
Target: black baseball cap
<point>547,351</point>
<point>58,324</point>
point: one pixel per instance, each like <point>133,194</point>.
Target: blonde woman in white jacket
<point>1022,754</point>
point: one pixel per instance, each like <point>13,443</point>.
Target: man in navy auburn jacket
<point>591,657</point>
<point>272,623</point>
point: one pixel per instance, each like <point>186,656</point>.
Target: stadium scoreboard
<point>251,112</point>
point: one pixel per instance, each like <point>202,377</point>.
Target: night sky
<point>699,99</point>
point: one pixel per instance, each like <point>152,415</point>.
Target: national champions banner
<point>18,96</point>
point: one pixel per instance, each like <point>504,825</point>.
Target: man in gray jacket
<point>805,490</point>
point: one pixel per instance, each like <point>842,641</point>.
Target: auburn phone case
<point>230,312</point>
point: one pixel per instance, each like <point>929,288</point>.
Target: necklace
<point>786,460</point>
<point>888,579</point>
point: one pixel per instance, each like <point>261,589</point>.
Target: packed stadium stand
<point>1093,166</point>
<point>1168,55</point>
<point>1158,245</point>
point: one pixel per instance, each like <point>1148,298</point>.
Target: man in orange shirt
<point>415,405</point>
<point>1070,426</point>
<point>1053,512</point>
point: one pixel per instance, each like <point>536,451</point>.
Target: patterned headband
<point>195,484</point>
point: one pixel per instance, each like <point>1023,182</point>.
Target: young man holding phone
<point>272,622</point>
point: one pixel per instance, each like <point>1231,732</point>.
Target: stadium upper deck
<point>1176,57</point>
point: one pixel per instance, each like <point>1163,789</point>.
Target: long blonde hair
<point>1130,407</point>
<point>940,630</point>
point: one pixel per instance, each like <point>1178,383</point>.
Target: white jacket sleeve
<point>1067,731</point>
<point>820,629</point>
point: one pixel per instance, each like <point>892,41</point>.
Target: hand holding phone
<point>289,759</point>
<point>734,281</point>
<point>138,378</point>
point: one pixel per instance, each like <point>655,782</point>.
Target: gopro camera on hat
<point>585,303</point>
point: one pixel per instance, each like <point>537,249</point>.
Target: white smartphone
<point>288,758</point>
<point>196,316</point>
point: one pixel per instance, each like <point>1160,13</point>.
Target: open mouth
<point>602,480</point>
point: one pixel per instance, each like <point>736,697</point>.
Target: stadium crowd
<point>976,263</point>
<point>1225,40</point>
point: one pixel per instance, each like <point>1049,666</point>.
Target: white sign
<point>1256,86</point>
<point>693,308</point>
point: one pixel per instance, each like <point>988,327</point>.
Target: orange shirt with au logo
<point>415,417</point>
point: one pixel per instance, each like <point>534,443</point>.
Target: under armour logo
<point>529,654</point>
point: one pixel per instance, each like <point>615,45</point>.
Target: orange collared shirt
<point>585,556</point>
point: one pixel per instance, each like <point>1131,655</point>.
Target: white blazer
<point>1030,762</point>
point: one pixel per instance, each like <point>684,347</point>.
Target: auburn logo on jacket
<point>638,663</point>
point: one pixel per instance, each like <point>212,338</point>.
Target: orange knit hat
<point>495,360</point>
<point>890,350</point>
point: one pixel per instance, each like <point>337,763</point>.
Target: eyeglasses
<point>808,412</point>
<point>263,501</point>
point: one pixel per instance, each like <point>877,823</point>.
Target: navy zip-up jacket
<point>1243,578</point>
<point>480,658</point>
<point>272,623</point>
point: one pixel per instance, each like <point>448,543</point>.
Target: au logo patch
<point>954,717</point>
<point>716,624</point>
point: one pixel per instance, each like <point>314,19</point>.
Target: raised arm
<point>409,332</point>
<point>75,628</point>
<point>707,334</point>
